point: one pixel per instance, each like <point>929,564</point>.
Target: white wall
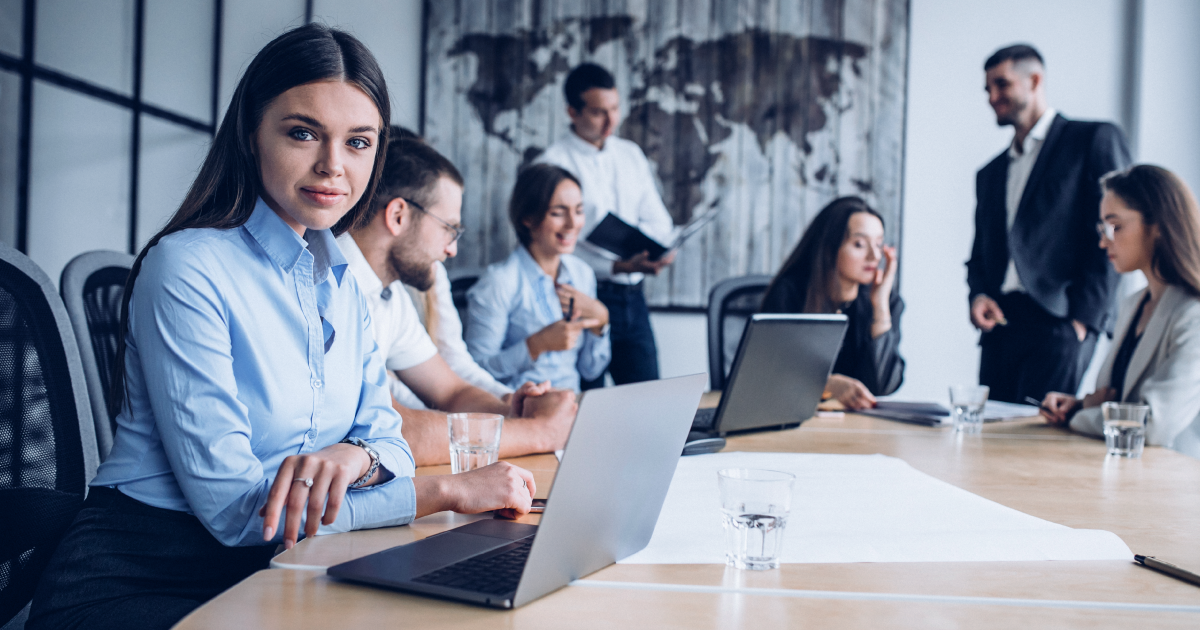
<point>1169,127</point>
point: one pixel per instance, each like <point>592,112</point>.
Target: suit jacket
<point>1164,372</point>
<point>1053,241</point>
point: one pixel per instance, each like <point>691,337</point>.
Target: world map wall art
<point>759,111</point>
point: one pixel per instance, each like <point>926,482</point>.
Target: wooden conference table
<point>1153,504</point>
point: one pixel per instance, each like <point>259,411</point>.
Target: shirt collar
<point>363,273</point>
<point>285,247</point>
<point>1037,134</point>
<point>583,146</point>
<point>532,267</point>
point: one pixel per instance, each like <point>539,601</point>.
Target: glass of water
<point>754,510</point>
<point>968,402</point>
<point>1124,428</point>
<point>474,440</point>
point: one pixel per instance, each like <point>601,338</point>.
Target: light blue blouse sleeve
<point>595,351</point>
<point>394,501</point>
<point>489,303</point>
<point>178,316</point>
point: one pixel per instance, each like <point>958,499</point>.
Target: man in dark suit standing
<point>1041,287</point>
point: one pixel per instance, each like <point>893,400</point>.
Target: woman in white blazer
<point>1149,221</point>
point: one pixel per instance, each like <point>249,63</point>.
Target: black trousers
<point>1034,353</point>
<point>634,353</point>
<point>125,564</point>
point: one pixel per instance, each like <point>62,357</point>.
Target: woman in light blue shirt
<point>252,398</point>
<point>535,316</point>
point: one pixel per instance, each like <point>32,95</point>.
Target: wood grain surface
<point>1152,503</point>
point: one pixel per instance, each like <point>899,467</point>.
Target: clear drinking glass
<point>968,402</point>
<point>474,440</point>
<point>1125,428</point>
<point>754,509</point>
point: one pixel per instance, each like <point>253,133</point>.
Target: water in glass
<point>753,541</point>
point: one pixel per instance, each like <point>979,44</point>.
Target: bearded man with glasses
<point>413,226</point>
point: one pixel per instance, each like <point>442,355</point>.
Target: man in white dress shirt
<point>616,179</point>
<point>415,223</point>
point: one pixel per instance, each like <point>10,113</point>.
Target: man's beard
<point>1013,114</point>
<point>414,273</point>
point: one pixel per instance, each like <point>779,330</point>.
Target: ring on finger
<point>307,481</point>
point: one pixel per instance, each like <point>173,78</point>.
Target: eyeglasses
<point>1106,230</point>
<point>456,230</point>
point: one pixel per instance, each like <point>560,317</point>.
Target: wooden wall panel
<point>761,110</point>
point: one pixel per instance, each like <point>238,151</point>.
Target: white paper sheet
<point>864,508</point>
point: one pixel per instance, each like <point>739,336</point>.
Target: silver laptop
<point>778,374</point>
<point>603,506</point>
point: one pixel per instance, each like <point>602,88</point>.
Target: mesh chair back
<point>730,305</point>
<point>461,281</point>
<point>92,286</point>
<point>47,442</point>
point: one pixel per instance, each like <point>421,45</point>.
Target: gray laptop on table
<point>609,489</point>
<point>777,379</point>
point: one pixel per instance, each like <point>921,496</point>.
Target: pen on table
<point>1168,568</point>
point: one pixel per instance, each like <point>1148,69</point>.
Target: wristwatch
<point>372,453</point>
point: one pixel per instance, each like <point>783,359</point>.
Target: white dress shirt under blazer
<point>615,179</point>
<point>1164,372</point>
<point>1020,166</point>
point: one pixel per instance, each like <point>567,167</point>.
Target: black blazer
<point>1053,240</point>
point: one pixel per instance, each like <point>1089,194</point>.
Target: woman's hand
<point>499,486</point>
<point>586,306</point>
<point>1057,407</point>
<point>881,293</point>
<point>331,470</point>
<point>516,400</point>
<point>559,336</point>
<point>1100,396</point>
<point>850,392</point>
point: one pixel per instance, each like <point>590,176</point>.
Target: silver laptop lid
<point>612,480</point>
<point>780,370</point>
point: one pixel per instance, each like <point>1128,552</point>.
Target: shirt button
<point>316,382</point>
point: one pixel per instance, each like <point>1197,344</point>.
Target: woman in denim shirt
<point>535,316</point>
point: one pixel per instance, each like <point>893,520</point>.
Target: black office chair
<point>461,281</point>
<point>92,286</point>
<point>47,439</point>
<point>730,305</point>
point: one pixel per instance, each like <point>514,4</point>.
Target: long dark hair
<point>1164,200</point>
<point>812,266</point>
<point>228,185</point>
<point>531,197</point>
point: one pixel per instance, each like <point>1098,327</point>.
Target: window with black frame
<point>106,110</point>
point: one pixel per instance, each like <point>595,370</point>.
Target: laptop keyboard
<point>704,419</point>
<point>494,574</point>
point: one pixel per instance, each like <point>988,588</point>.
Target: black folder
<point>928,414</point>
<point>626,241</point>
<point>623,239</point>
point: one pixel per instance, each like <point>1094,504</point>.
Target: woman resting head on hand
<point>251,400</point>
<point>842,266</point>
